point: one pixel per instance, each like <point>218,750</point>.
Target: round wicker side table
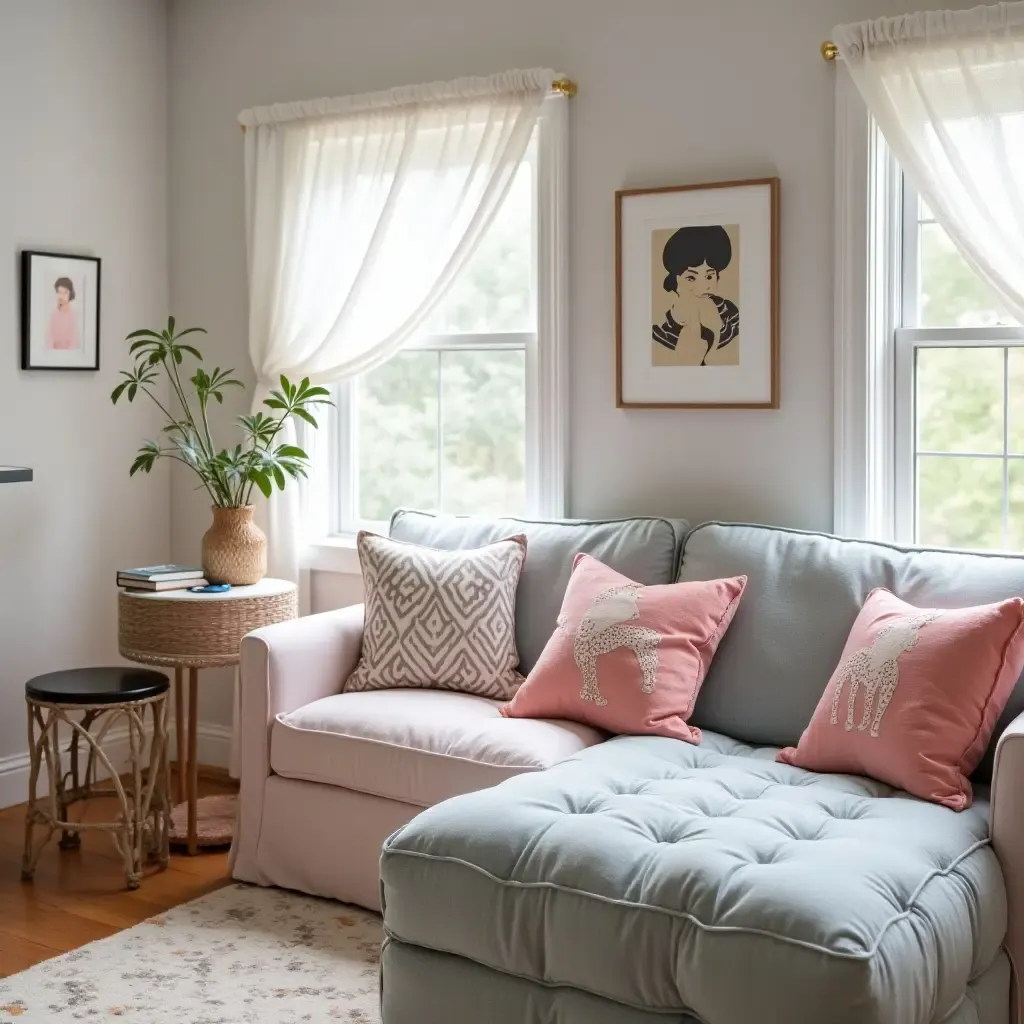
<point>181,630</point>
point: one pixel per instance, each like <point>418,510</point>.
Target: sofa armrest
<point>291,664</point>
<point>282,668</point>
<point>1007,831</point>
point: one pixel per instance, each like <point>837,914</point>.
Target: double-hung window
<point>470,417</point>
<point>930,367</point>
<point>959,398</point>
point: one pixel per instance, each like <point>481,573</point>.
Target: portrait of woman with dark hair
<point>699,322</point>
<point>62,332</point>
<point>60,311</point>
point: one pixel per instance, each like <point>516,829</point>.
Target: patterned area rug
<point>238,956</point>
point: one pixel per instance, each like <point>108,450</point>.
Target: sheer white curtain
<point>360,212</point>
<point>947,91</point>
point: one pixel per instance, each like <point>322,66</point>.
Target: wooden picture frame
<point>698,358</point>
<point>60,311</point>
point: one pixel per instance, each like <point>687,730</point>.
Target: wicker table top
<point>177,628</point>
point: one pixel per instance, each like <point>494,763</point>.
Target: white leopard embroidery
<point>602,629</point>
<point>876,668</point>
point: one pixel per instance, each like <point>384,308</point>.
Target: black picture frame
<point>35,264</point>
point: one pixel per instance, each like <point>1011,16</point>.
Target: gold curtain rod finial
<point>829,50</point>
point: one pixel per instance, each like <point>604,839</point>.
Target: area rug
<point>240,955</point>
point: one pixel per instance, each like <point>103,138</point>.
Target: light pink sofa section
<point>327,776</point>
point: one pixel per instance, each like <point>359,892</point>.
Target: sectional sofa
<point>640,880</point>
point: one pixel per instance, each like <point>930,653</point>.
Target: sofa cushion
<point>916,695</point>
<point>645,550</point>
<point>804,593</point>
<point>441,619</point>
<point>628,658</point>
<point>417,746</point>
<point>645,870</point>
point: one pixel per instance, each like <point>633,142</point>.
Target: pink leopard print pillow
<point>628,658</point>
<point>916,696</point>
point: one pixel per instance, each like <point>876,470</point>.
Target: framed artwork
<point>697,296</point>
<point>60,311</point>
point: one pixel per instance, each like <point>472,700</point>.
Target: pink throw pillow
<point>625,657</point>
<point>916,696</point>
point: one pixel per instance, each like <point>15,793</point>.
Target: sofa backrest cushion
<point>804,591</point>
<point>645,550</point>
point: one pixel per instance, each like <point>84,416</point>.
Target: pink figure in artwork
<point>63,330</point>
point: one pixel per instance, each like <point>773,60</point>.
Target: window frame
<point>346,521</point>
<point>877,269</point>
<point>546,351</point>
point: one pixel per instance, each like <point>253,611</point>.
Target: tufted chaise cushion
<point>708,880</point>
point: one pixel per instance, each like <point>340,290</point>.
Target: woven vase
<point>234,548</point>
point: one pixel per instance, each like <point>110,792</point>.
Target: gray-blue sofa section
<point>647,881</point>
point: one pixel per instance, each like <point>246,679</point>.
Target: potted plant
<point>234,548</point>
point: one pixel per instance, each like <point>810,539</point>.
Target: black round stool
<point>73,702</point>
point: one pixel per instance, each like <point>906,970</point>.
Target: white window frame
<point>547,392</point>
<point>876,287</point>
<point>346,521</point>
<point>867,283</point>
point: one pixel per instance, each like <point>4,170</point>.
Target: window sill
<point>334,554</point>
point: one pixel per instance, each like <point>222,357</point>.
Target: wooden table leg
<point>193,759</point>
<point>179,728</point>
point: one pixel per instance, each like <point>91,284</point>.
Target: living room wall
<point>83,100</point>
<point>670,92</point>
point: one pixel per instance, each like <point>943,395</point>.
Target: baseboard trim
<point>213,745</point>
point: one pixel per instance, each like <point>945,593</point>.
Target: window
<point>959,401</point>
<point>930,367</point>
<point>469,419</point>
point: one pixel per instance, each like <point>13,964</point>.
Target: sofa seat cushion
<point>707,880</point>
<point>417,746</point>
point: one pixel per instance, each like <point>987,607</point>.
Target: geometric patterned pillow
<point>439,619</point>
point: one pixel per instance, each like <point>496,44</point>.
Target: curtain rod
<point>566,86</point>
<point>829,50</point>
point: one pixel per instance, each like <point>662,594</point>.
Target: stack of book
<point>161,577</point>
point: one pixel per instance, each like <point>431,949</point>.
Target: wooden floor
<point>79,895</point>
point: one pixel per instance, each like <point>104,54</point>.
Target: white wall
<point>670,92</point>
<point>83,100</point>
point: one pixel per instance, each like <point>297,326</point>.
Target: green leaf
<point>170,326</point>
<point>262,481</point>
<point>191,351</point>
<point>132,389</point>
<point>177,356</point>
<point>144,333</point>
<point>274,403</point>
<point>155,358</point>
<point>191,330</point>
<point>279,477</point>
<point>303,415</point>
<point>291,451</point>
<point>116,393</point>
<point>219,397</point>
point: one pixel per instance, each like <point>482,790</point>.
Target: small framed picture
<point>60,311</point>
<point>697,296</point>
